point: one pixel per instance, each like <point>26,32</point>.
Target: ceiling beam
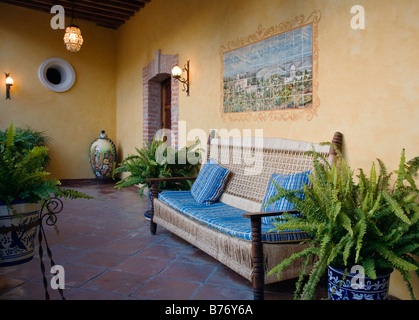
<point>127,5</point>
<point>105,13</point>
<point>99,10</point>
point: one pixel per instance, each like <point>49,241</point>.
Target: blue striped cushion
<point>210,182</point>
<point>225,218</point>
<point>290,182</point>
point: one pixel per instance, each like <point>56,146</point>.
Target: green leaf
<point>369,267</point>
<point>361,230</point>
<point>402,170</point>
<point>399,263</point>
<point>395,207</point>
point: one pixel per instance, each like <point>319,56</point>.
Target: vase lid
<point>102,134</point>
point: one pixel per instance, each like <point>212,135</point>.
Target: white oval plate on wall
<point>57,74</point>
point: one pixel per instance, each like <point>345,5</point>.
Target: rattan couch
<point>251,162</point>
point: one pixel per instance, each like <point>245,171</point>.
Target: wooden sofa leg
<point>154,195</point>
<point>258,277</point>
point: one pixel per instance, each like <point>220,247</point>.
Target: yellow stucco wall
<point>73,119</point>
<point>368,79</point>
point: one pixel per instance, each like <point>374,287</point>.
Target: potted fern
<point>23,189</point>
<point>360,231</point>
<point>157,160</point>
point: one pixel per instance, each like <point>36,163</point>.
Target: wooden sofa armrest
<point>257,249</point>
<point>155,194</point>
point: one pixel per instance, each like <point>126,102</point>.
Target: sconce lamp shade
<point>73,38</point>
<point>9,81</point>
<point>176,71</point>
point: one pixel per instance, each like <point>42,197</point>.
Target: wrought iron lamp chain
<point>72,14</point>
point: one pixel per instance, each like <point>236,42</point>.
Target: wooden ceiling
<point>105,13</point>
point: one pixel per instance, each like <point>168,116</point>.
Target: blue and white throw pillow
<point>210,183</point>
<point>294,181</point>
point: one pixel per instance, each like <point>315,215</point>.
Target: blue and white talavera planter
<point>342,287</point>
<point>17,246</point>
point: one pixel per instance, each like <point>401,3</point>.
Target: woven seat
<point>243,248</point>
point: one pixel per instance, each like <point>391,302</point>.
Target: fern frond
<point>383,177</point>
<point>287,261</point>
<point>372,180</point>
<point>336,249</point>
<point>361,231</point>
<point>395,260</point>
<point>319,268</point>
<point>72,194</point>
<point>10,136</point>
<point>412,168</point>
<point>375,206</point>
<point>401,172</point>
<point>337,150</point>
<point>406,278</point>
<point>395,207</point>
<point>369,267</point>
<point>303,272</point>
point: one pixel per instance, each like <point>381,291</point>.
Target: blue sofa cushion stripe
<point>289,182</point>
<point>209,184</point>
<point>225,218</point>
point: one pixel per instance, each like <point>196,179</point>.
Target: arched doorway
<point>160,97</point>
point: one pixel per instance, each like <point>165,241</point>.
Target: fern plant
<point>367,222</point>
<point>156,160</point>
<point>26,139</point>
<point>23,157</point>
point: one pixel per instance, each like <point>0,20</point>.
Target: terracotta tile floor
<point>108,253</point>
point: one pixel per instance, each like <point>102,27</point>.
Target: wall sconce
<point>177,72</point>
<point>9,83</point>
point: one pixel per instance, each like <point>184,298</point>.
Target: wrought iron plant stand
<point>53,207</point>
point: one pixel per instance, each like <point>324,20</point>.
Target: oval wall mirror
<point>57,74</point>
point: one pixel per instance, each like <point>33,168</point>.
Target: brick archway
<point>154,74</point>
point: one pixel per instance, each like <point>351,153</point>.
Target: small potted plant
<point>24,188</point>
<point>360,231</point>
<point>157,160</point>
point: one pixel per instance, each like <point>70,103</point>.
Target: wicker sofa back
<point>253,160</point>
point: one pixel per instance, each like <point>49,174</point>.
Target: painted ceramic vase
<point>343,286</point>
<point>102,157</point>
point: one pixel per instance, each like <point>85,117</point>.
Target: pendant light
<point>72,37</point>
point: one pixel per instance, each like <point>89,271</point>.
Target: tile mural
<point>275,73</point>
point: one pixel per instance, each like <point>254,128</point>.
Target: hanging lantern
<point>72,38</point>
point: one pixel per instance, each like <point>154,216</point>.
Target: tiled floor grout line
<point>205,282</point>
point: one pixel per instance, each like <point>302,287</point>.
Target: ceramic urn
<point>102,157</point>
